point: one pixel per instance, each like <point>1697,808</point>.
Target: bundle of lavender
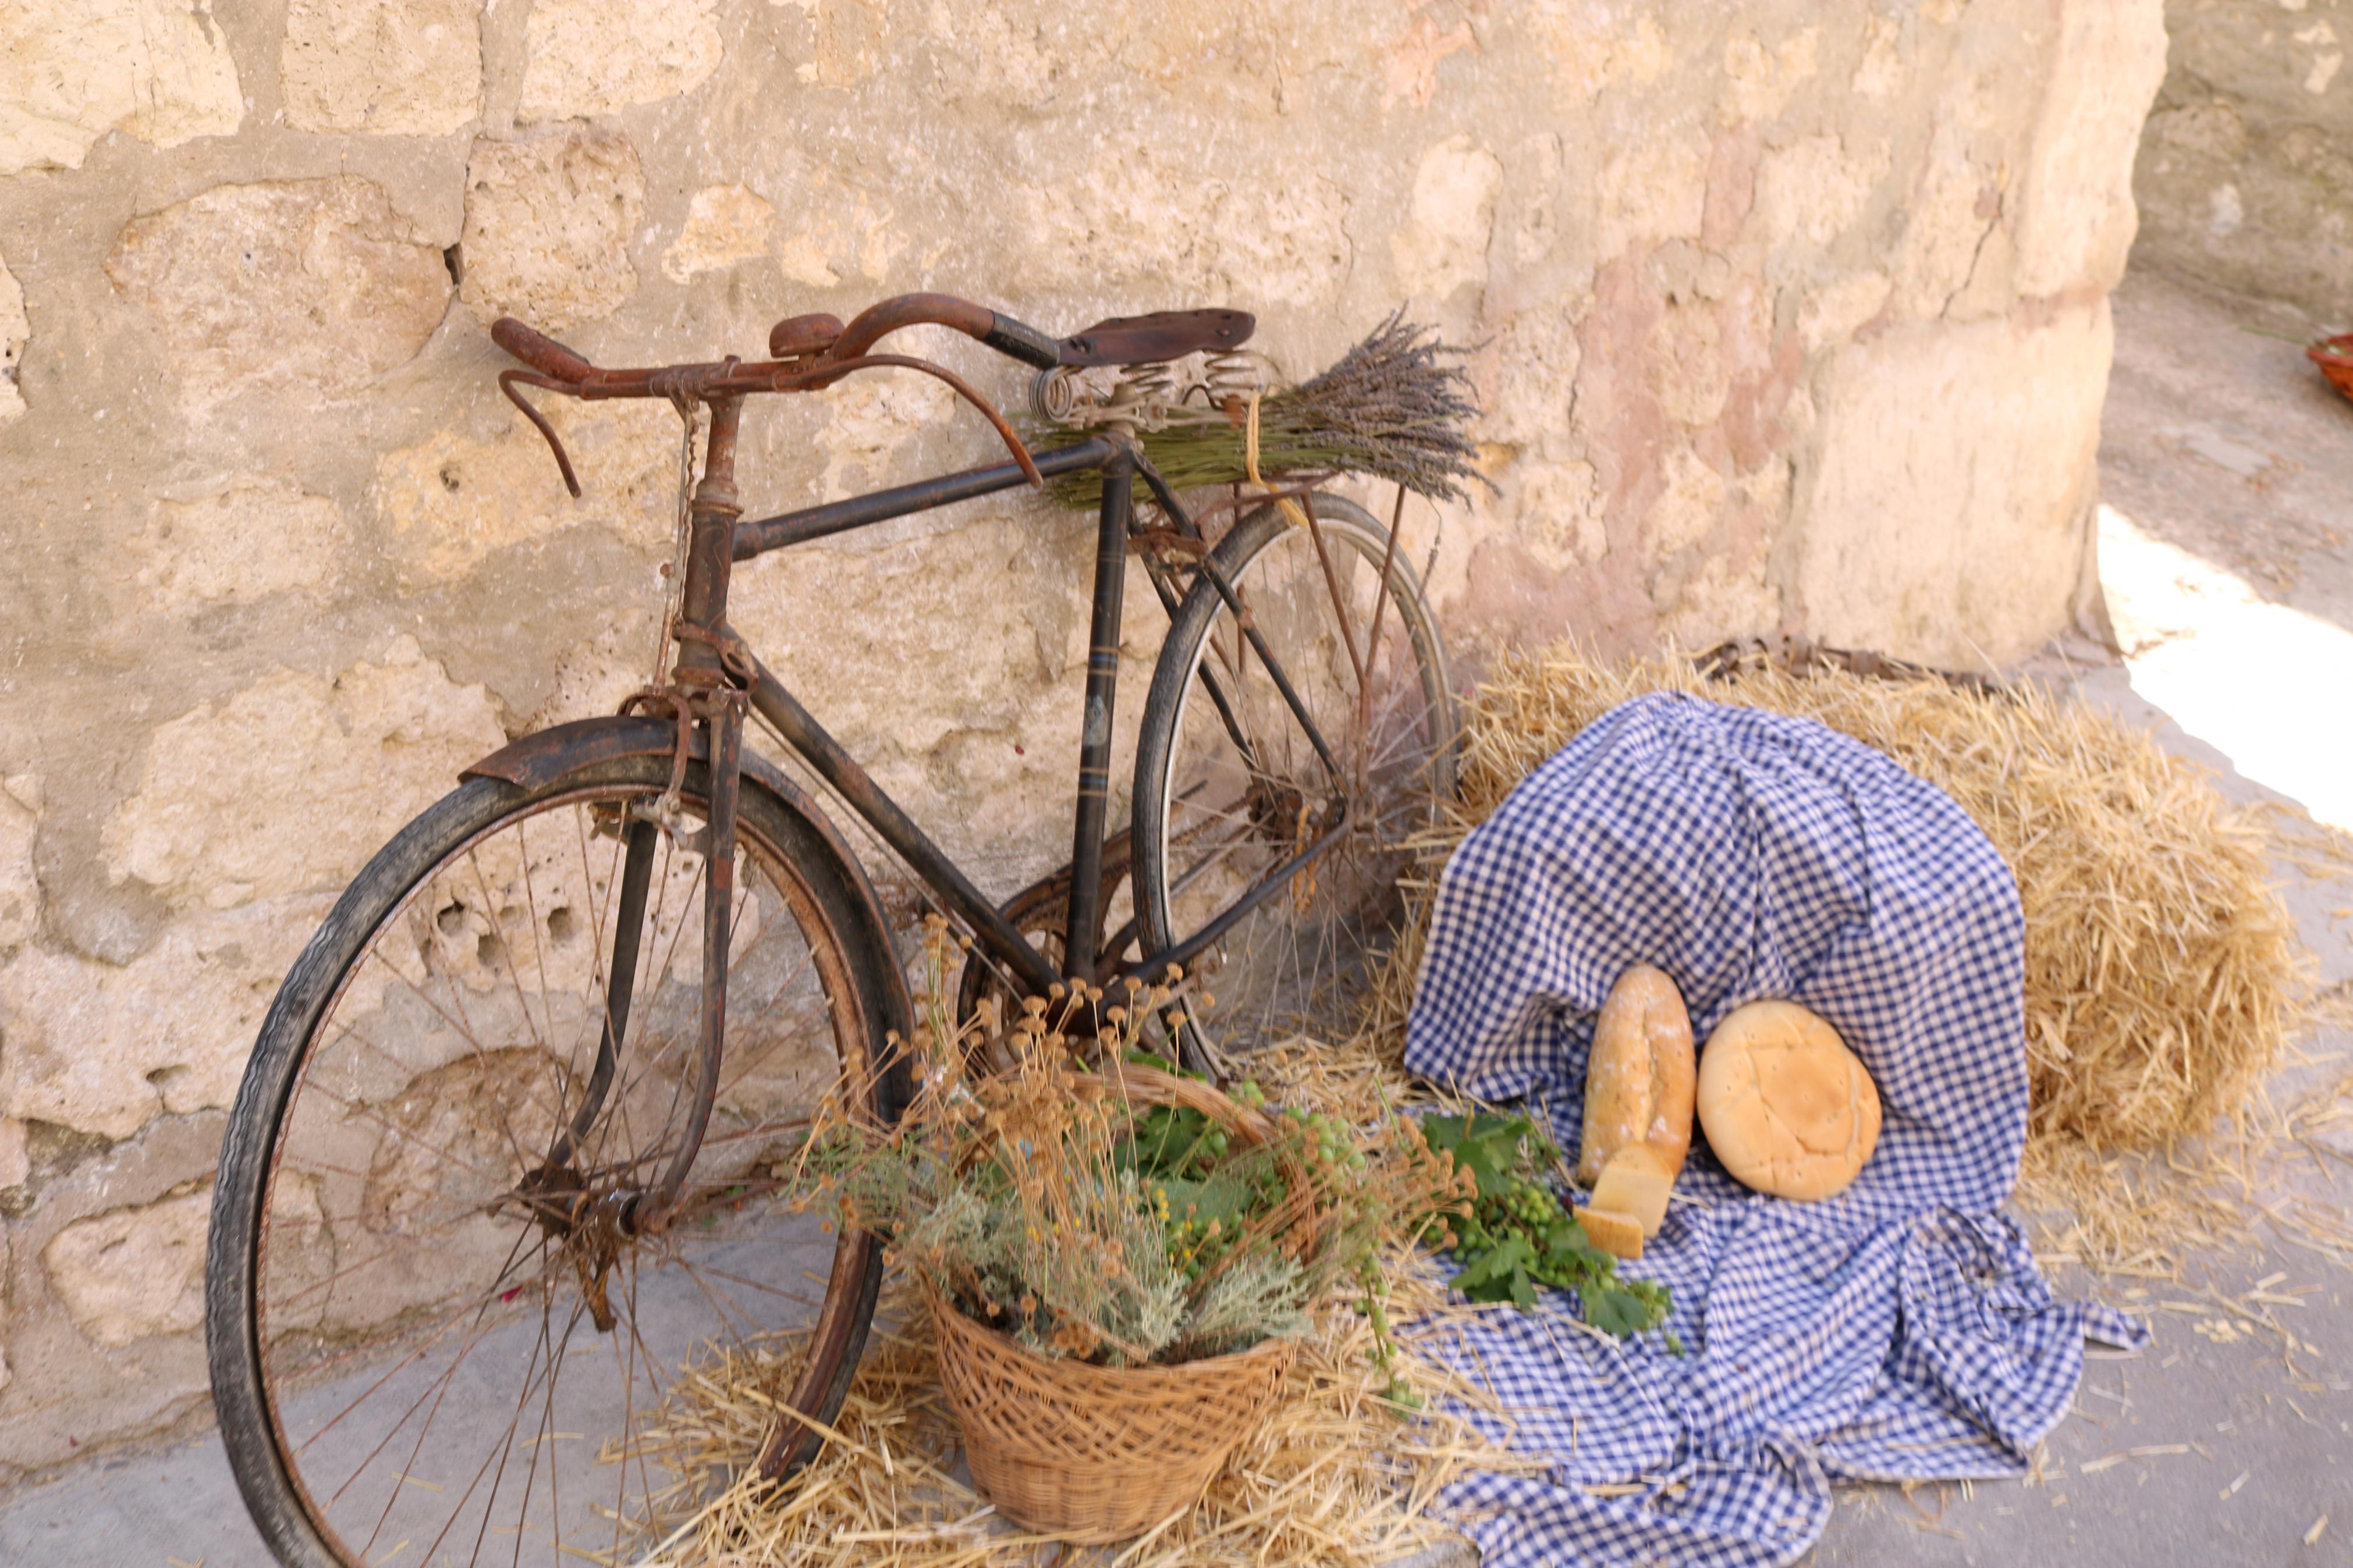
<point>1397,406</point>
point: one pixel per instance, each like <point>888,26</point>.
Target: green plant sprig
<point>1513,1233</point>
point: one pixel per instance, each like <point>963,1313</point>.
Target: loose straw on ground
<point>1340,1477</point>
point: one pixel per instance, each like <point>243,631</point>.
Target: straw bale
<point>2163,972</point>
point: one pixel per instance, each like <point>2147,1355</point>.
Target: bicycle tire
<point>806,935</point>
<point>1264,983</point>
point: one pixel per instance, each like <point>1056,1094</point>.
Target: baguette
<point>1639,1082</point>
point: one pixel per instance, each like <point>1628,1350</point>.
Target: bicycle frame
<point>716,678</point>
<point>1118,463</point>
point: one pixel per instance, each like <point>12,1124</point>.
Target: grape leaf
<point>1515,1233</point>
<point>1493,1276</point>
<point>1613,1309</point>
<point>1489,1147</point>
<point>1568,1244</point>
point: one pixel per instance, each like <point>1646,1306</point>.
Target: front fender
<point>546,756</point>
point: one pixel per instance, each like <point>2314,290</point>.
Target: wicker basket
<point>1096,1453</point>
<point>2334,358</point>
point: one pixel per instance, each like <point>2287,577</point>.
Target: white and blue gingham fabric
<point>1899,1330</point>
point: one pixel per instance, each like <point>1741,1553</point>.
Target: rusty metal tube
<point>757,538</point>
<point>824,755</point>
<point>1085,929</point>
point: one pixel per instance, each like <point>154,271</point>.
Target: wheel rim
<point>1226,818</point>
<point>460,1349</point>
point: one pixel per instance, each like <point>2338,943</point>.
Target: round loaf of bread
<point>1787,1106</point>
<point>1638,1080</point>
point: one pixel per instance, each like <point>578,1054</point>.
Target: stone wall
<point>1789,316</point>
<point>2245,176</point>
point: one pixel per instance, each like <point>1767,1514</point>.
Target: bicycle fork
<point>706,689</point>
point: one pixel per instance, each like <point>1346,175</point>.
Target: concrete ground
<point>2228,471</point>
<point>2211,1446</point>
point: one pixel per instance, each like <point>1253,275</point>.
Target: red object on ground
<point>2334,358</point>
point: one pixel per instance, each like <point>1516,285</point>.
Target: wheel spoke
<point>406,1197</point>
<point>1238,789</point>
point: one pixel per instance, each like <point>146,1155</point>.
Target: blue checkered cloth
<point>1899,1330</point>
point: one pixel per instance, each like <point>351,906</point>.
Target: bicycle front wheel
<point>1236,801</point>
<point>435,1319</point>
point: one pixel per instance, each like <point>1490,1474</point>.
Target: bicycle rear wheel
<point>1230,788</point>
<point>434,1320</point>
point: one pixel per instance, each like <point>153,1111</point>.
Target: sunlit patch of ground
<point>2268,686</point>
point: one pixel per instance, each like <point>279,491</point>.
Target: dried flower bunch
<point>1050,1202</point>
<point>1397,406</point>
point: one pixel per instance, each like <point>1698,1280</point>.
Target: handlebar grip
<point>1021,342</point>
<point>542,353</point>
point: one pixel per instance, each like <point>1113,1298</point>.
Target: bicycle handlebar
<point>1013,338</point>
<point>812,352</point>
<point>542,353</point>
<point>802,343</point>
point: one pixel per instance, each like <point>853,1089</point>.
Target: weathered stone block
<point>20,888</point>
<point>1687,509</point>
<point>1832,313</point>
<point>724,224</point>
<point>1653,188</point>
<point>15,331</point>
<point>134,1272</point>
<point>1000,60</point>
<point>593,676</point>
<point>1955,201</point>
<point>72,70</point>
<point>2243,179</point>
<point>291,785</point>
<point>1981,440</point>
<point>102,1049</point>
<point>596,56</point>
<point>871,420</point>
<point>835,229</point>
<point>239,544</point>
<point>396,68</point>
<point>548,225</point>
<point>321,281</point>
<point>1449,220</point>
<point>453,500</point>
<point>1262,232</point>
<point>1760,79</point>
<point>1588,49</point>
<point>1814,189</point>
<point>2075,218</point>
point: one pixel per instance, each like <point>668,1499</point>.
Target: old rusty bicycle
<point>506,1156</point>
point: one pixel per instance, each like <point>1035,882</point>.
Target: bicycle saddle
<point>1163,335</point>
